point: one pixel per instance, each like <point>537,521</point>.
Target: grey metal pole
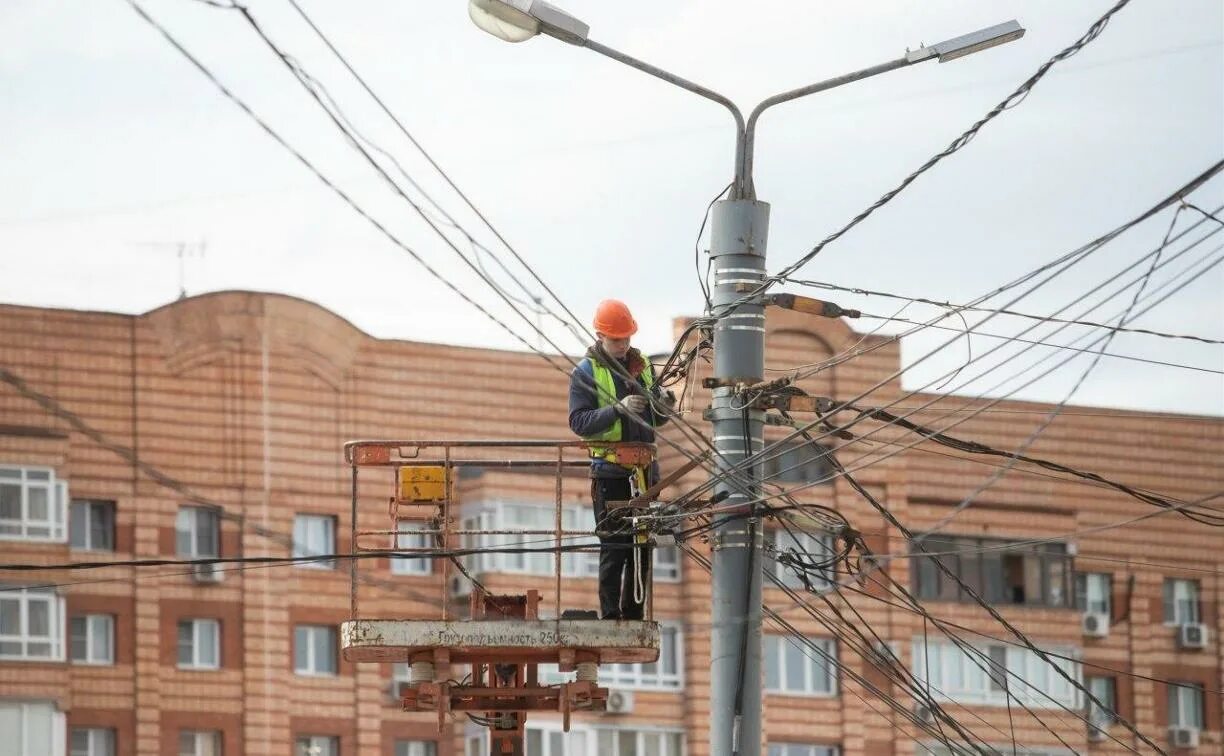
<point>738,235</point>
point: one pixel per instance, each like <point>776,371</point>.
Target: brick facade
<point>247,398</point>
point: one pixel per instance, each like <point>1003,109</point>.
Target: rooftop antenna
<point>182,251</point>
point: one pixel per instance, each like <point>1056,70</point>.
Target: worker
<point>613,397</point>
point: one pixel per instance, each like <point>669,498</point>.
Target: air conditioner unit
<point>924,713</point>
<point>1184,737</point>
<point>620,702</point>
<point>1097,731</point>
<point>1095,624</point>
<point>207,573</point>
<point>1192,636</point>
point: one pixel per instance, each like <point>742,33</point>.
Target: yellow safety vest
<point>605,396</point>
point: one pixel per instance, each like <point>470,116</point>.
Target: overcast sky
<point>115,150</point>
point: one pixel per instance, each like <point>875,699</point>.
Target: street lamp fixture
<point>520,20</point>
<point>967,44</point>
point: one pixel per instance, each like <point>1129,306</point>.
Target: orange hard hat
<point>612,319</point>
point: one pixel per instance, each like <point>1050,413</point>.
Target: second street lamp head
<point>967,44</point>
<point>520,20</point>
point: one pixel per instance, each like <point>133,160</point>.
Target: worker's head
<point>614,326</point>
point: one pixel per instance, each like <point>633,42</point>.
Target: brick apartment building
<point>247,398</point>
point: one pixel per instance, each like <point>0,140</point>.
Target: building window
<point>806,554</point>
<point>630,742</point>
<point>32,504</point>
<point>419,748</point>
<point>314,535</point>
<point>414,565</point>
<point>317,745</point>
<point>1093,592</point>
<point>548,740</point>
<point>199,644</point>
<point>401,675</point>
<point>794,668</point>
<point>30,728</point>
<point>31,625</point>
<point>802,462</point>
<point>91,525</point>
<point>1001,571</point>
<point>667,672</point>
<point>1103,689</point>
<point>988,675</point>
<point>491,557</point>
<point>92,639</point>
<point>802,749</point>
<point>314,650</point>
<point>92,741</point>
<point>199,743</point>
<point>1181,601</point>
<point>993,750</point>
<point>666,564</point>
<point>196,532</point>
<point>1186,705</point>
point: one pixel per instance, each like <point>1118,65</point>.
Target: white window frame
<point>91,509</point>
<point>187,523</point>
<point>28,479</point>
<point>1105,690</point>
<point>312,664</point>
<point>1097,590</point>
<point>401,674</point>
<point>24,709</point>
<point>637,676</point>
<point>939,749</point>
<point>316,745</point>
<point>200,742</point>
<point>99,741</point>
<point>651,676</point>
<point>1182,697</point>
<point>583,738</point>
<point>308,541</point>
<point>670,742</point>
<point>802,749</point>
<point>415,747</point>
<point>665,567</point>
<point>513,515</point>
<point>22,599</point>
<point>99,629</point>
<point>419,565</point>
<point>1184,592</point>
<point>972,678</point>
<point>198,660</point>
<point>776,645</point>
<point>811,544</point>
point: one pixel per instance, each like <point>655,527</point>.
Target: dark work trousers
<point>616,570</point>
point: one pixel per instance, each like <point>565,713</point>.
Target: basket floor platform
<point>509,640</point>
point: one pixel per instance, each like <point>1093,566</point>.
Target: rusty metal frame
<point>396,454</point>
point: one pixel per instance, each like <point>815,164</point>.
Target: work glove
<point>634,404</point>
<point>668,399</point>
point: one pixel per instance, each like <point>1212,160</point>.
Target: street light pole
<point>739,232</point>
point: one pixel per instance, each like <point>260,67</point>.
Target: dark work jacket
<point>587,418</point>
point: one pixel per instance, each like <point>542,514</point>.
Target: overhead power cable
<point>1066,261</point>
<point>778,447</point>
<point>971,308</point>
<point>1009,102</point>
<point>429,158</point>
